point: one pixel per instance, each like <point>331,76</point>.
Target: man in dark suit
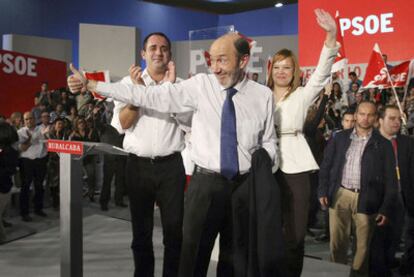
<point>387,238</point>
<point>357,181</point>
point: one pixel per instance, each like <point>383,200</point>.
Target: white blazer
<point>290,114</point>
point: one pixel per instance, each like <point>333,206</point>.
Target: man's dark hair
<point>144,44</point>
<point>348,111</point>
<point>383,110</point>
<point>352,73</point>
<point>242,47</point>
<point>367,102</point>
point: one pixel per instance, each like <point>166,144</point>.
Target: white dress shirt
<point>155,133</point>
<point>203,95</point>
<point>37,148</point>
<point>290,115</point>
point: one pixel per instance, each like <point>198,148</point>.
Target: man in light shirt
<point>33,158</point>
<point>154,168</point>
<point>233,117</point>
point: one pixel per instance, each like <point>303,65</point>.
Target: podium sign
<point>71,232</point>
<point>68,147</point>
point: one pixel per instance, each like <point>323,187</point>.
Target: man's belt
<point>351,189</point>
<point>156,159</point>
<point>205,171</point>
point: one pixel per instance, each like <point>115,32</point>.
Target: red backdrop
<point>21,76</point>
<point>364,23</point>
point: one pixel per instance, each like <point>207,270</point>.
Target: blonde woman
<point>296,160</point>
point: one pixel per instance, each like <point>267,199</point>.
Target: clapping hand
<point>135,72</point>
<point>170,74</point>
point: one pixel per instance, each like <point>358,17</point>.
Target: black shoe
<point>104,207</point>
<point>7,224</point>
<point>27,218</point>
<point>41,213</point>
<point>91,198</point>
<point>121,204</point>
<point>322,238</point>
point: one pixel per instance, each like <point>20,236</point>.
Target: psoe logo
<point>372,24</point>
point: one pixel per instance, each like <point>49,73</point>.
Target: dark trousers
<point>385,241</point>
<point>314,202</point>
<point>207,213</point>
<point>53,180</point>
<point>114,166</point>
<point>160,181</point>
<point>32,171</point>
<point>407,262</point>
<point>89,166</point>
<point>295,195</point>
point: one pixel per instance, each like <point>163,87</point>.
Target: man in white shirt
<point>233,117</point>
<point>33,158</point>
<point>154,168</point>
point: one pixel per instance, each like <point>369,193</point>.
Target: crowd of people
<point>331,146</point>
<point>58,114</point>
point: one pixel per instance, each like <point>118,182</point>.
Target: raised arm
<point>327,57</point>
<point>327,23</point>
<point>168,97</point>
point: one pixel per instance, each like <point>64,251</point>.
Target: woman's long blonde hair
<point>295,82</point>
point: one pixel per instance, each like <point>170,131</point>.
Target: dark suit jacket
<point>405,146</point>
<point>378,178</point>
<point>257,229</point>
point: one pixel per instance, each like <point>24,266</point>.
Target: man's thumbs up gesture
<point>76,82</point>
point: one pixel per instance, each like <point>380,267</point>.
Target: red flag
<point>98,76</point>
<point>399,75</point>
<point>376,73</point>
<point>207,57</point>
<point>268,68</point>
<point>249,40</point>
<point>341,61</point>
<point>410,72</point>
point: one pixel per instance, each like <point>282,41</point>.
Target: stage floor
<point>106,250</point>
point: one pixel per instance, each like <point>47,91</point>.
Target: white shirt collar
<point>148,80</point>
<point>239,86</point>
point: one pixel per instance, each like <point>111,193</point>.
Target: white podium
<point>71,232</point>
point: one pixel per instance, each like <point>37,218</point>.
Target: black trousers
<point>89,165</point>
<point>114,166</point>
<point>407,262</point>
<point>207,213</point>
<point>295,196</point>
<point>32,171</point>
<point>314,202</point>
<point>160,181</point>
<point>385,242</point>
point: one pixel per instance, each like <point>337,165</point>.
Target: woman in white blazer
<point>296,160</point>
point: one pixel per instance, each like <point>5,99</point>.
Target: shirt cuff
<point>104,89</point>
